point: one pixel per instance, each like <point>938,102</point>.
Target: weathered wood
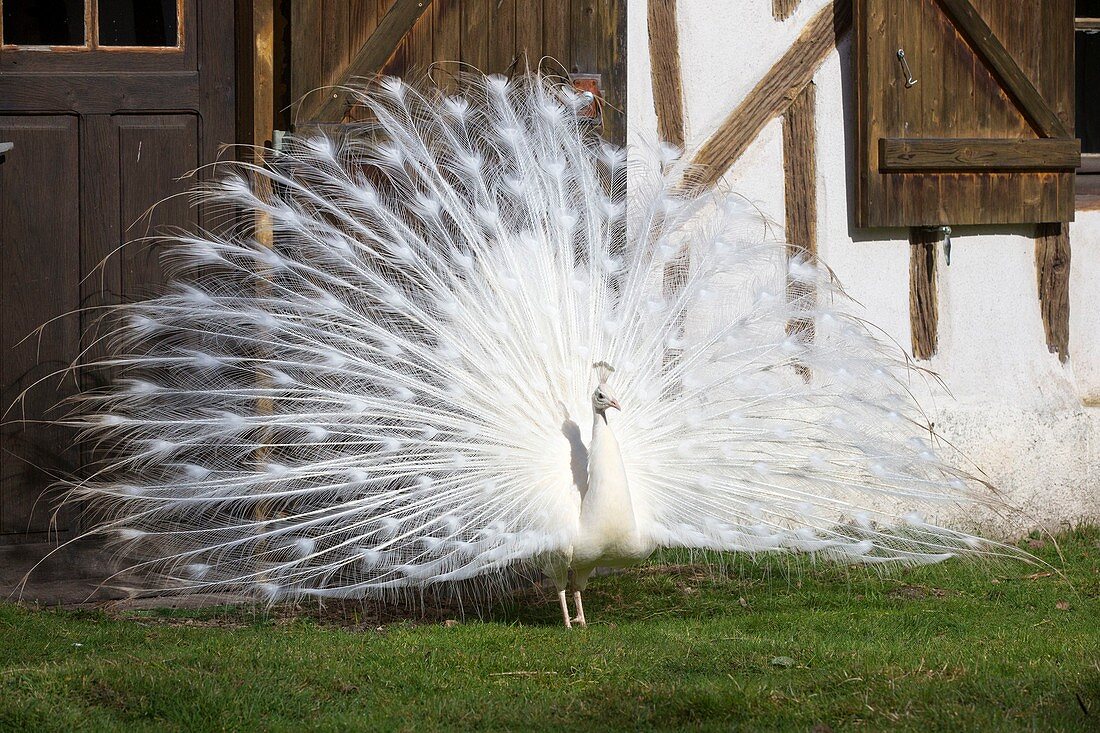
<point>497,36</point>
<point>261,81</point>
<point>475,34</point>
<point>307,44</point>
<point>1052,262</point>
<point>774,92</point>
<point>958,97</point>
<point>611,61</point>
<point>664,54</point>
<point>394,26</point>
<point>923,307</point>
<point>968,154</point>
<point>800,196</point>
<point>447,41</point>
<point>783,9</point>
<point>502,36</point>
<point>993,52</point>
<point>529,31</point>
<point>556,30</point>
<point>584,34</point>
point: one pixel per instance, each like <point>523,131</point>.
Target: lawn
<point>672,646</point>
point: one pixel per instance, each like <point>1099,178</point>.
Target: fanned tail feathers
<point>389,396</point>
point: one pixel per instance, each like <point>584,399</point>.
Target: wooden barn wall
<point>494,36</point>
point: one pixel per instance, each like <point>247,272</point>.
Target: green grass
<point>951,647</point>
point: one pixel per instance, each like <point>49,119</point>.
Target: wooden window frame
<point>1087,180</point>
<point>91,35</point>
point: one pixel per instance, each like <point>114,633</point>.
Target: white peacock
<point>389,399</point>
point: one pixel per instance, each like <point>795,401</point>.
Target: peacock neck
<point>607,485</point>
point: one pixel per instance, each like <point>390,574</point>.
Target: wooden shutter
<point>985,134</point>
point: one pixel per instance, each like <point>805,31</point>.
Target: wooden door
<point>108,103</point>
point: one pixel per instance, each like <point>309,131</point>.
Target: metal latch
<point>909,80</point>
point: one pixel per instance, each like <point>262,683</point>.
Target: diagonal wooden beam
<point>1005,68</point>
<point>668,87</point>
<point>773,94</point>
<point>395,25</point>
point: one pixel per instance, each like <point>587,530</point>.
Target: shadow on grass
<point>681,584</point>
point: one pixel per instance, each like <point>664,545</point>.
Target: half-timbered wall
<point>996,323</point>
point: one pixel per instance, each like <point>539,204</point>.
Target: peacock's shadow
<point>578,455</point>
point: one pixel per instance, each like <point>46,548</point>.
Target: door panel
<point>156,151</point>
<point>40,271</point>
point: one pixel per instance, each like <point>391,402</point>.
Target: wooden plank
<point>446,42</point>
<point>668,87</point>
<point>419,45</point>
<point>529,30</point>
<point>771,96</point>
<point>1031,103</point>
<point>370,59</point>
<point>783,9</point>
<point>337,49</point>
<point>261,102</point>
<point>968,154</point>
<point>306,42</point>
<point>611,61</point>
<point>1052,262</point>
<point>475,34</point>
<point>800,196</point>
<point>502,36</point>
<point>584,37</point>
<point>555,35</point>
<point>923,306</point>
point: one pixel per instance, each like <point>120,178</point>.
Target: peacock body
<point>391,396</point>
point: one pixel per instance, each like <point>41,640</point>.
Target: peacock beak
<point>615,403</point>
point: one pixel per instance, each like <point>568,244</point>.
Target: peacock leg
<point>580,609</point>
<point>564,609</point>
<point>580,582</point>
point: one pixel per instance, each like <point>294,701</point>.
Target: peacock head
<point>602,398</point>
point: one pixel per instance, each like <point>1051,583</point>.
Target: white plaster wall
<point>1031,423</point>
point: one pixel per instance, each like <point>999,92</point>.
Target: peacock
<point>482,344</point>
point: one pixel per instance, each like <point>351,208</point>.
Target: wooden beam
<point>783,9</point>
<point>978,154</point>
<point>664,54</point>
<point>923,307</point>
<point>395,25</point>
<point>773,94</point>
<point>1052,258</point>
<point>800,195</point>
<point>263,74</point>
<point>1005,68</point>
